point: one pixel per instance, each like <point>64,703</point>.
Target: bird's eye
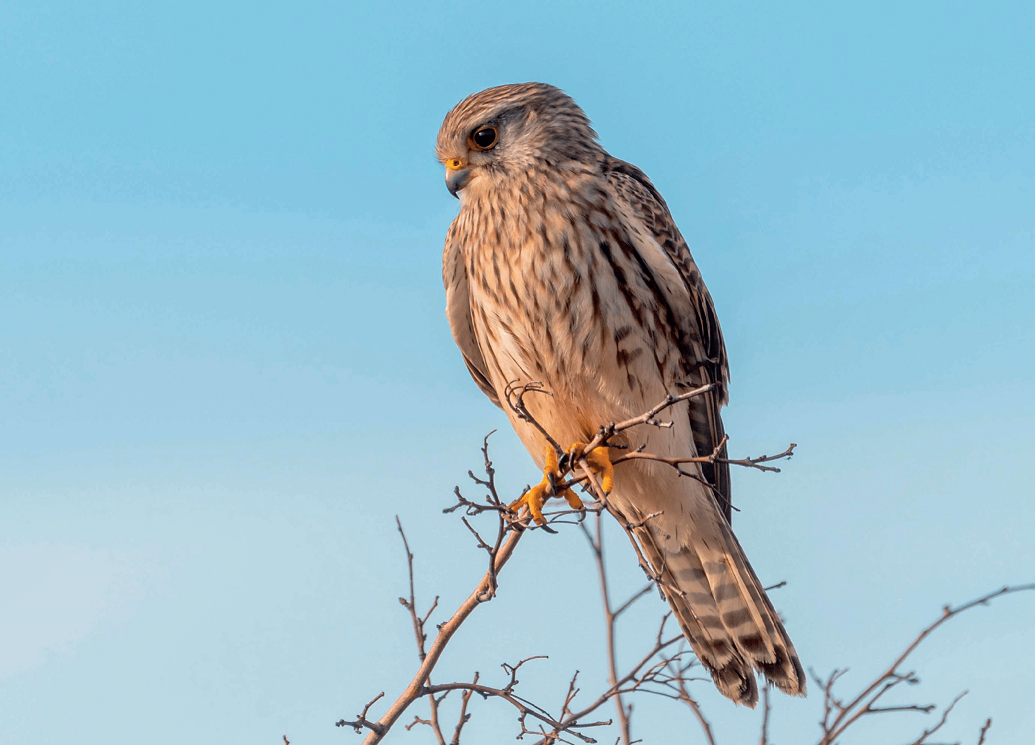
<point>484,138</point>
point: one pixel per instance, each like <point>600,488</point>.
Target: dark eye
<point>484,138</point>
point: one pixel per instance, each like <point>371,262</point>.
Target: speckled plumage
<point>564,266</point>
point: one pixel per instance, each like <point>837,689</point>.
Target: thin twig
<point>765,716</point>
<point>526,708</point>
<point>464,716</point>
<point>838,716</point>
<point>596,543</point>
<point>445,632</point>
<point>362,721</point>
<point>941,722</point>
<point>755,463</point>
<point>665,668</point>
<point>418,632</point>
<point>984,731</point>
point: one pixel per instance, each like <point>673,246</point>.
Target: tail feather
<point>725,614</point>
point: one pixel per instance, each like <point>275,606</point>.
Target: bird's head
<point>510,129</point>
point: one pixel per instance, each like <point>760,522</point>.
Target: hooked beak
<point>457,176</point>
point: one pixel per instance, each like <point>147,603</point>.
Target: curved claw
<point>538,494</point>
<point>533,499</point>
<point>599,462</point>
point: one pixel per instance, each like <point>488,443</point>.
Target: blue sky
<point>224,364</point>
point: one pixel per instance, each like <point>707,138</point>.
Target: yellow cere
<point>454,164</point>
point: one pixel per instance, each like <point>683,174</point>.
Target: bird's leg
<point>538,494</point>
<point>599,462</point>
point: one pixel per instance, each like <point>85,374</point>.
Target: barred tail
<point>726,616</point>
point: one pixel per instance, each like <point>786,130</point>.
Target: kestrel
<point>565,267</point>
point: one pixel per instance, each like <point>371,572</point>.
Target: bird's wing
<point>458,312</point>
<point>701,344</point>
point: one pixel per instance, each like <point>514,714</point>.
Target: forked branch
<point>663,669</point>
<point>839,715</point>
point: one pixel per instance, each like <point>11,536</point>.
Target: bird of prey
<point>565,267</point>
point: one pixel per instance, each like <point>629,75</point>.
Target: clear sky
<point>224,364</point>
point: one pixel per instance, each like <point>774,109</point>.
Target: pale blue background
<point>224,364</point>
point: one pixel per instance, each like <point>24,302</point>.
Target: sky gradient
<point>225,366</point>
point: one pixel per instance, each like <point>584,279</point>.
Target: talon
<point>538,494</point>
<point>533,499</point>
<point>599,462</point>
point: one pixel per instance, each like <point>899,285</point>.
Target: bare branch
<point>755,463</point>
<point>941,722</point>
<point>525,708</point>
<point>765,716</point>
<point>677,461</point>
<point>418,632</point>
<point>362,722</point>
<point>607,431</point>
<point>984,731</point>
<point>416,688</point>
<point>838,716</point>
<point>515,395</point>
<point>596,542</point>
<point>665,669</point>
<point>464,716</point>
<point>639,594</point>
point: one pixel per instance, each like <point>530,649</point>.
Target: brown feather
<point>564,266</point>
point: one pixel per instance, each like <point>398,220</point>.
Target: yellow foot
<point>599,463</point>
<point>538,494</point>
